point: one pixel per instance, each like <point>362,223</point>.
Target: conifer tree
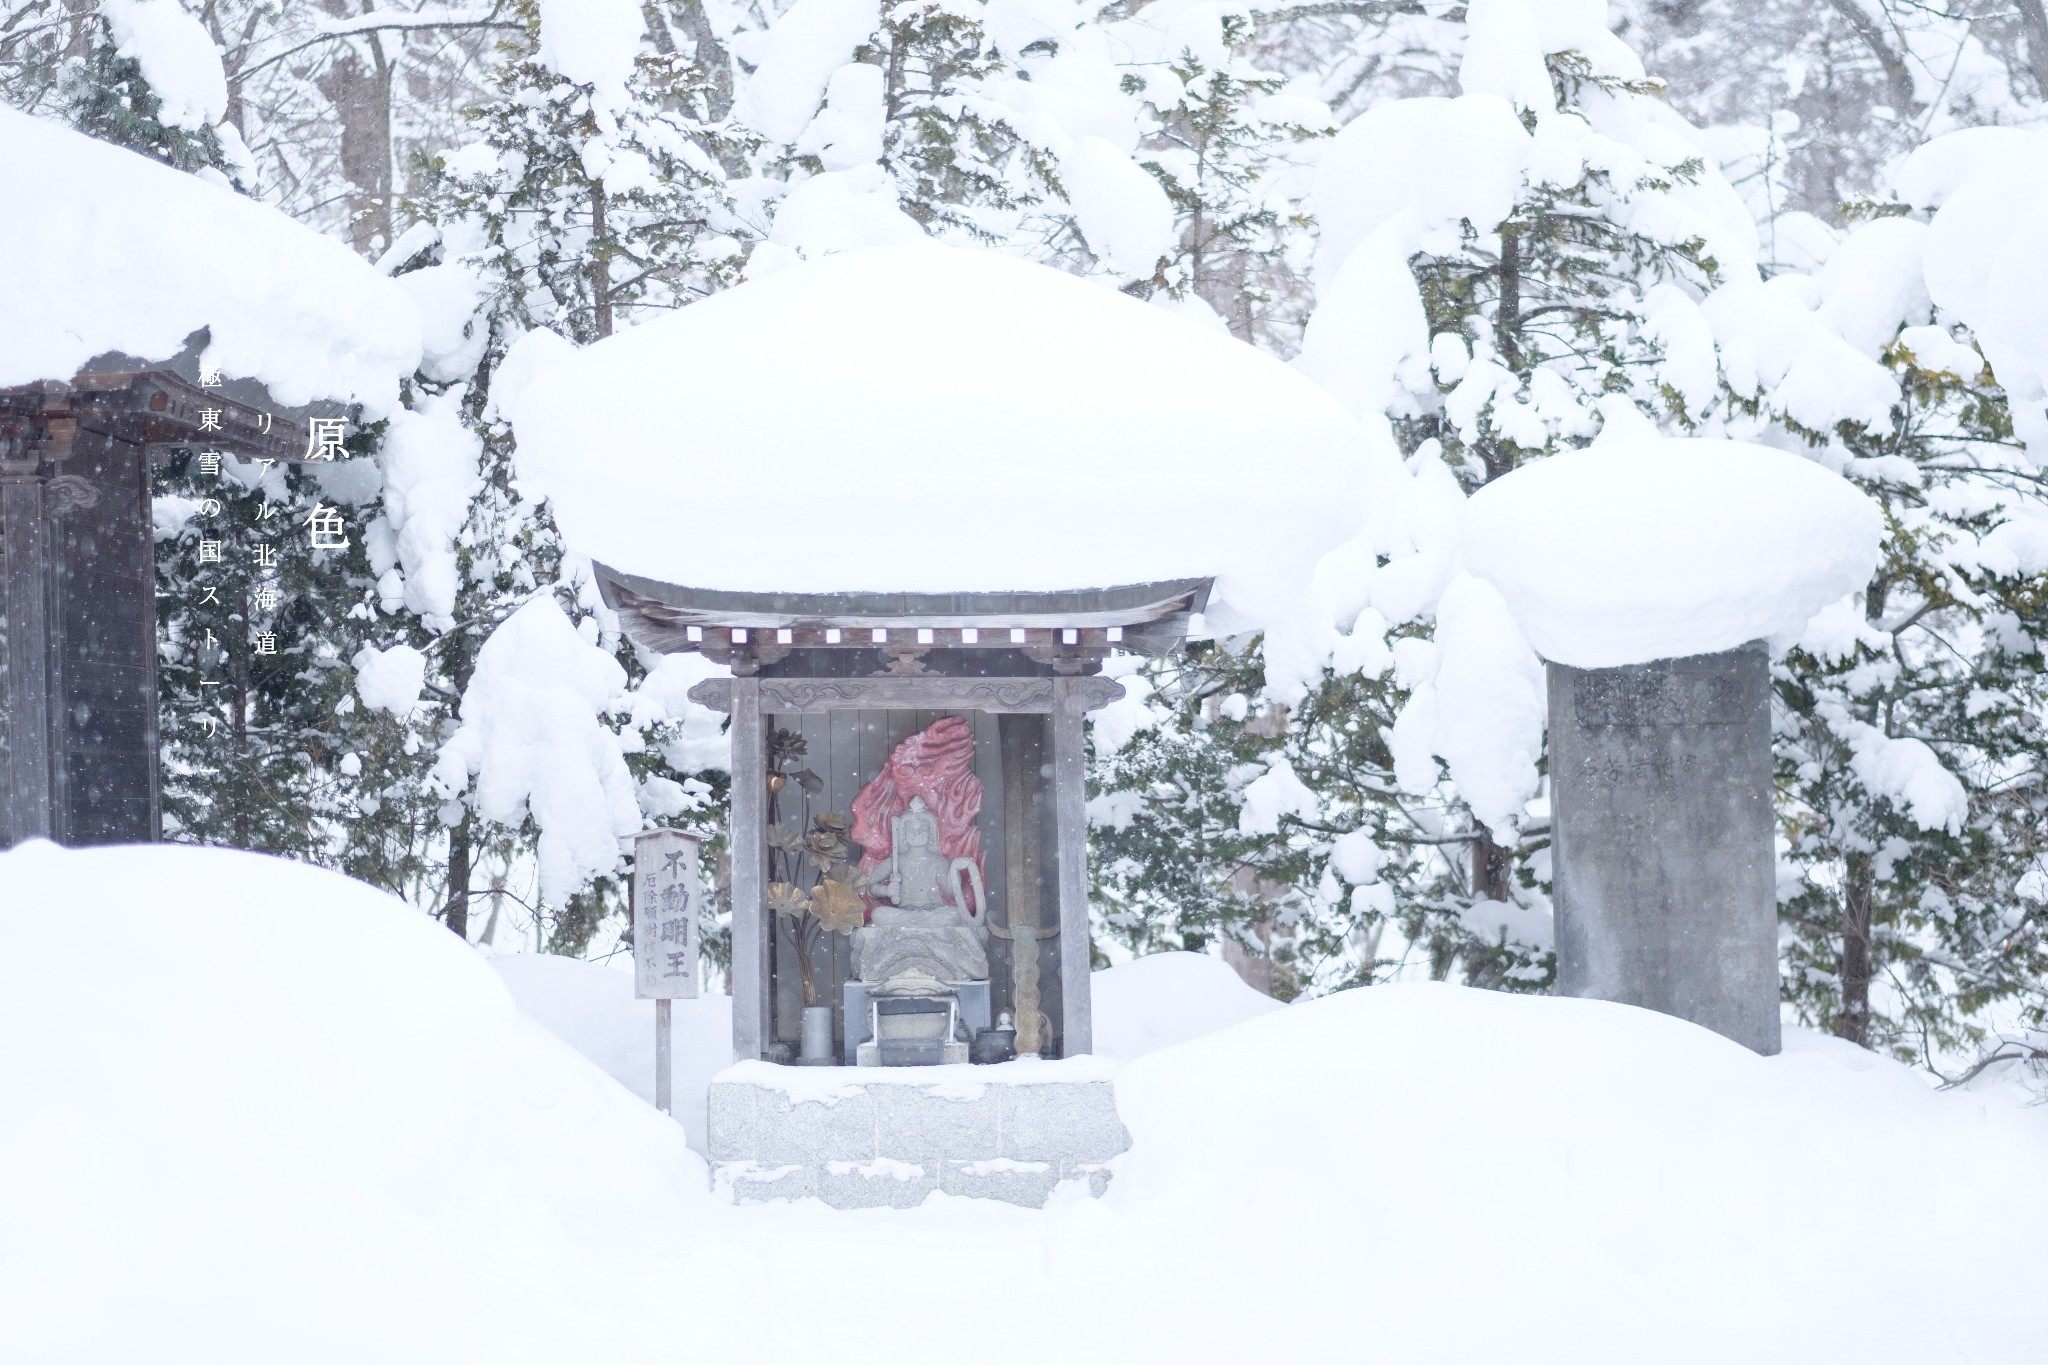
<point>1226,150</point>
<point>1910,727</point>
<point>251,604</point>
<point>105,94</point>
<point>594,195</point>
<point>1526,315</point>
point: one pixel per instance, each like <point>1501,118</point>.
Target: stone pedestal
<point>1662,860</point>
<point>974,1015</point>
<point>873,1138</point>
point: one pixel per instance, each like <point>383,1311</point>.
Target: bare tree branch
<point>1898,77</point>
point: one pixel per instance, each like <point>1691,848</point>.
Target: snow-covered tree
<point>1503,275</point>
<point>150,79</point>
<point>1224,138</point>
<point>596,192</point>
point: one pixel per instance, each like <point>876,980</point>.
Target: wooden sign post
<point>667,892</point>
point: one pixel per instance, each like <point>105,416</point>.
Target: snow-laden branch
<point>333,29</point>
<point>378,20</point>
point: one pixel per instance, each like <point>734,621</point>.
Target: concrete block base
<point>888,1137</point>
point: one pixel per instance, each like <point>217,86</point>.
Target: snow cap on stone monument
<point>926,419</point>
<point>1649,547</point>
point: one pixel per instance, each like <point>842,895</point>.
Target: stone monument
<point>1649,572</point>
<point>1661,852</point>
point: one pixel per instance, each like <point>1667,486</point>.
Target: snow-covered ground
<point>251,1111</point>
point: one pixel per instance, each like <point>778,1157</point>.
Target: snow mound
<point>1649,547</point>
<point>257,1112</point>
<point>1482,1176</point>
<point>255,1105</point>
<point>930,419</point>
<point>591,1007</point>
<point>124,254</point>
<point>1168,998</point>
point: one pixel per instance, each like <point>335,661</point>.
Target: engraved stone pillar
<point>1663,862</point>
<point>26,799</point>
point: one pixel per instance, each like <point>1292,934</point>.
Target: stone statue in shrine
<point>922,862</point>
<point>922,930</point>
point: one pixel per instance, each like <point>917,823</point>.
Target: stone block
<point>759,1123</point>
<point>879,1184</point>
<point>887,1144</point>
<point>1061,1122</point>
<point>1029,1183</point>
<point>915,1123</point>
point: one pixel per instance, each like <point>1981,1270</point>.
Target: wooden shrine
<point>78,691</point>
<point>832,693</point>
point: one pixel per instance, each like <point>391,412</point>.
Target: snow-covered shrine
<point>150,315</point>
<point>914,498</point>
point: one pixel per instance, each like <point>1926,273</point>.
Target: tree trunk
<point>359,88</point>
<point>455,911</point>
<point>1898,77</point>
<point>1492,869</point>
<point>1507,319</point>
<point>461,662</point>
<point>1507,326</point>
<point>1853,1023</point>
<point>600,263</point>
<point>2034,19</point>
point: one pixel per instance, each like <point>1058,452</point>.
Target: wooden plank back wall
<point>846,749</point>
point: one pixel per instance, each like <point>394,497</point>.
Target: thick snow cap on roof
<point>1655,548</point>
<point>924,419</point>
<point>120,253</point>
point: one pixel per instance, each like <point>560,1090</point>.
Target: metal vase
<point>817,1036</point>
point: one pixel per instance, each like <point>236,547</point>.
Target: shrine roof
<point>932,421</point>
<point>1139,618</point>
<point>110,252</point>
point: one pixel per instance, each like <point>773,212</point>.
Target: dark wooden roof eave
<point>152,403</point>
<point>1148,618</point>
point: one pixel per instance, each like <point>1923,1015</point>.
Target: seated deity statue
<point>922,934</point>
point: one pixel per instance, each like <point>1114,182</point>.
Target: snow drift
<point>255,1112</point>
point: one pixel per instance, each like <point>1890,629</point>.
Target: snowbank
<point>929,419</point>
<point>124,254</point>
<point>1647,547</point>
<point>1169,998</point>
<point>1140,1007</point>
<point>591,1007</point>
<point>1465,1176</point>
<point>256,1112</point>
